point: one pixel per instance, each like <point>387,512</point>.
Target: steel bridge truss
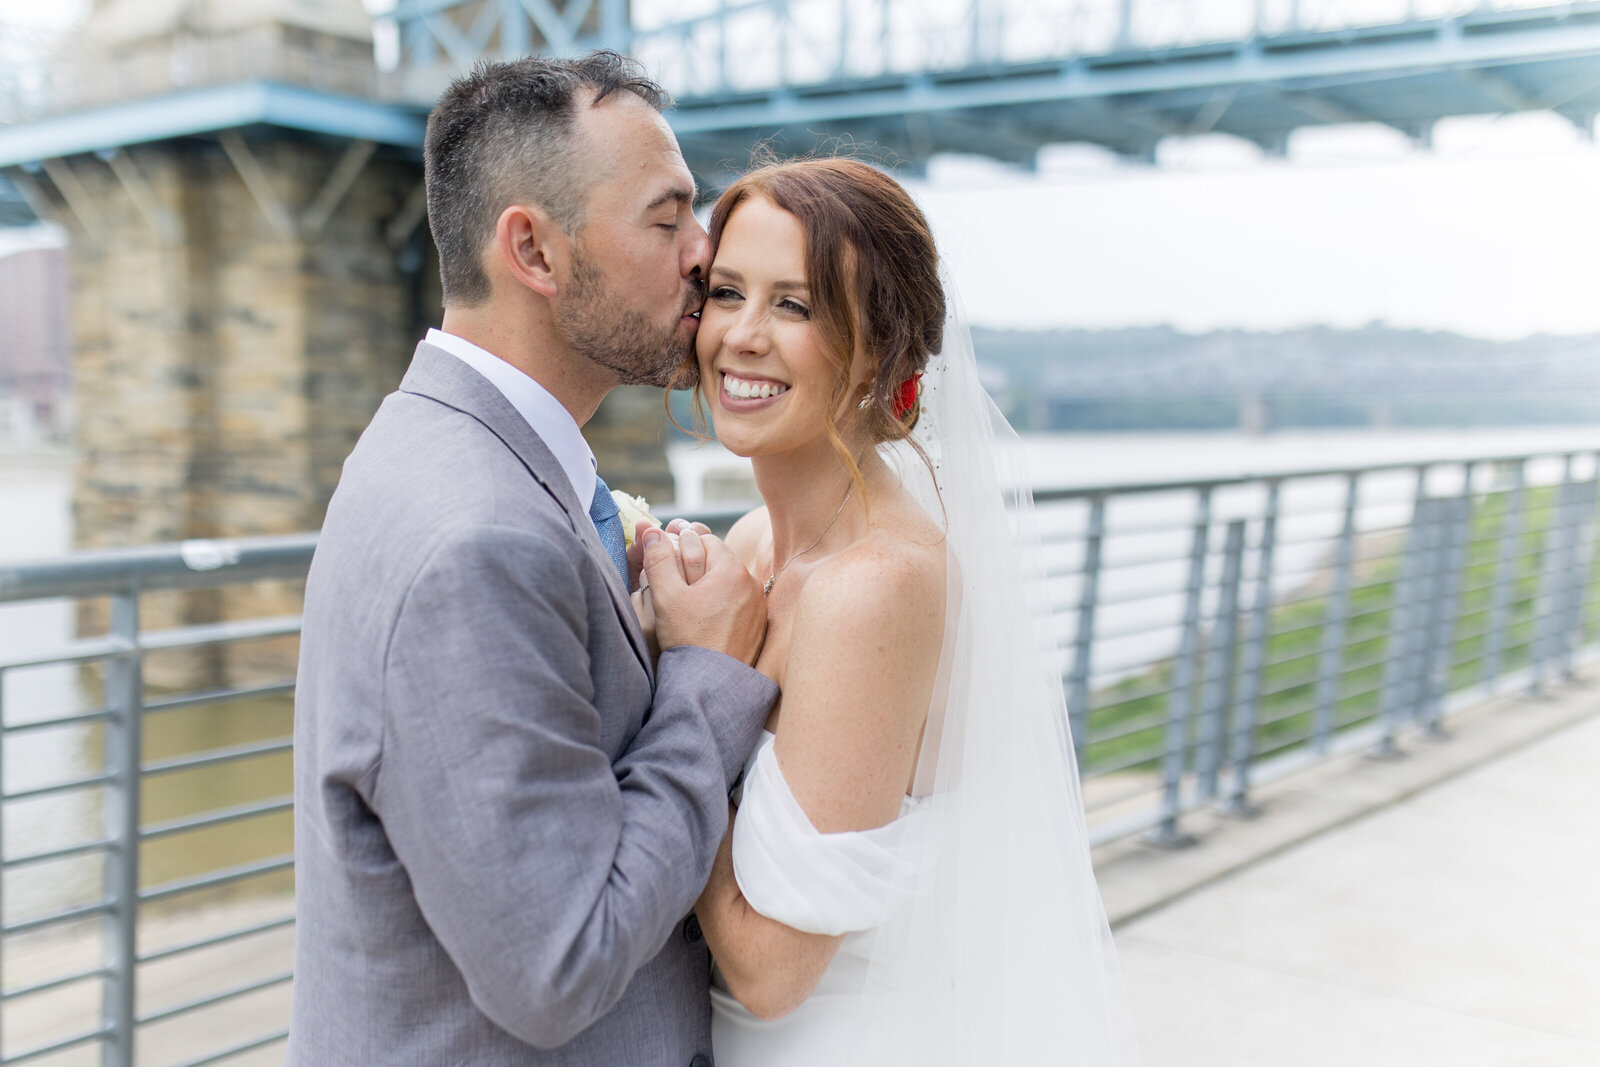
<point>1003,78</point>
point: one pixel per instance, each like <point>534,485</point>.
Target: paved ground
<point>1459,926</point>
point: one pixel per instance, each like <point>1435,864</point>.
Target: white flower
<point>632,511</point>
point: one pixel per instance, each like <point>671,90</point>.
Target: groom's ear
<point>530,247</point>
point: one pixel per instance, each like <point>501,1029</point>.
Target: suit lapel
<point>440,376</point>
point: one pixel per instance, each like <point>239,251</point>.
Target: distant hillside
<point>1160,378</point>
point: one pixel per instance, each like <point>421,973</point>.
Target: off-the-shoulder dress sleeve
<point>818,883</point>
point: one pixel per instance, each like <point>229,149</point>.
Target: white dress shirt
<point>553,423</point>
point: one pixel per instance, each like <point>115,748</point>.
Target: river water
<point>35,521</point>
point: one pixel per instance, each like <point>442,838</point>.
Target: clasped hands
<point>690,589</point>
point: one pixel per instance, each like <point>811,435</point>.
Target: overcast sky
<point>1495,231</point>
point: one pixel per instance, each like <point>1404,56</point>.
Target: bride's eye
<point>724,293</point>
<point>794,307</point>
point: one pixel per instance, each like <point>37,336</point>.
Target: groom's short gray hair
<point>503,135</point>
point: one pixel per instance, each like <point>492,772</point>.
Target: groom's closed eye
<point>680,198</point>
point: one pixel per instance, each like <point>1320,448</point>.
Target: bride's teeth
<point>739,387</point>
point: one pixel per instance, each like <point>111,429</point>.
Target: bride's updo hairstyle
<point>873,272</point>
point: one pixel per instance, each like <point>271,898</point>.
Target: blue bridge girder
<point>1004,78</point>
<point>997,78</point>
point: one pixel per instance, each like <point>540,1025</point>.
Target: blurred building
<point>35,348</point>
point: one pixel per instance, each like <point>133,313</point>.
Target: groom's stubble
<point>601,328</point>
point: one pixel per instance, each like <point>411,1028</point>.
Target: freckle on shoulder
<point>904,567</point>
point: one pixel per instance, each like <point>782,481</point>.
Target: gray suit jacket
<point>502,816</point>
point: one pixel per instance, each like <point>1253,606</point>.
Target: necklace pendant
<point>766,587</point>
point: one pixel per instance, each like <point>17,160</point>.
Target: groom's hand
<point>707,599</point>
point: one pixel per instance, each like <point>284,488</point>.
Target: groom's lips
<point>691,311</point>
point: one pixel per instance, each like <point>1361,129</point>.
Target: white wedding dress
<point>840,883</point>
<point>973,928</point>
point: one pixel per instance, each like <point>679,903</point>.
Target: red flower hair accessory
<point>906,398</point>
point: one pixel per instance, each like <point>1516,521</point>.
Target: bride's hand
<point>636,552</point>
<point>645,610</point>
<point>691,550</point>
<point>692,563</point>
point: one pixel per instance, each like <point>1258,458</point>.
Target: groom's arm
<point>548,874</point>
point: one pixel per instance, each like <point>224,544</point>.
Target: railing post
<point>1083,634</point>
<point>1570,551</point>
<point>1166,833</point>
<point>1242,744</point>
<point>1455,519</point>
<point>1561,644</point>
<point>1583,563</point>
<point>1330,665</point>
<point>1396,682</point>
<point>1425,607</point>
<point>1505,578</point>
<point>1553,550</point>
<point>124,699</point>
<point>1216,694</point>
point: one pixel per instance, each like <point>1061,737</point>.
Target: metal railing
<point>715,47</point>
<point>1213,635</point>
<point>733,46</point>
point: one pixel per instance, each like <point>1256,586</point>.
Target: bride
<point>906,879</point>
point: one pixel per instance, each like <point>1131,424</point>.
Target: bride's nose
<point>747,332</point>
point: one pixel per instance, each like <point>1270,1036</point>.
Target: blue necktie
<point>607,519</point>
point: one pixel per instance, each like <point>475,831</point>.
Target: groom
<point>503,813</point>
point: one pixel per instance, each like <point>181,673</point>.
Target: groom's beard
<point>599,327</point>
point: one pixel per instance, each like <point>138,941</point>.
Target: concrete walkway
<point>1458,925</point>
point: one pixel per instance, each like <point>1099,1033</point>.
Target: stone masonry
<point>228,349</point>
<point>225,370</point>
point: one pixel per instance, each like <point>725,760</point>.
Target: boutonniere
<point>632,510</point>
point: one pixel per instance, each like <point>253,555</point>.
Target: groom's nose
<point>696,255</point>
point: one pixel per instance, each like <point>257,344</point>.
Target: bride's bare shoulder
<point>895,576</point>
<point>749,536</point>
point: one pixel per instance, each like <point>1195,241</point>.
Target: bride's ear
<point>863,376</point>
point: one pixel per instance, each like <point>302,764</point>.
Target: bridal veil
<point>1003,954</point>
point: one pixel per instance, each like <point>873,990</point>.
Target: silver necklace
<point>766,589</point>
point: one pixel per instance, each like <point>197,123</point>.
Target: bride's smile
<point>749,387</point>
<point>766,373</point>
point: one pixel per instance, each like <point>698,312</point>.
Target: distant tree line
<point>1158,378</point>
